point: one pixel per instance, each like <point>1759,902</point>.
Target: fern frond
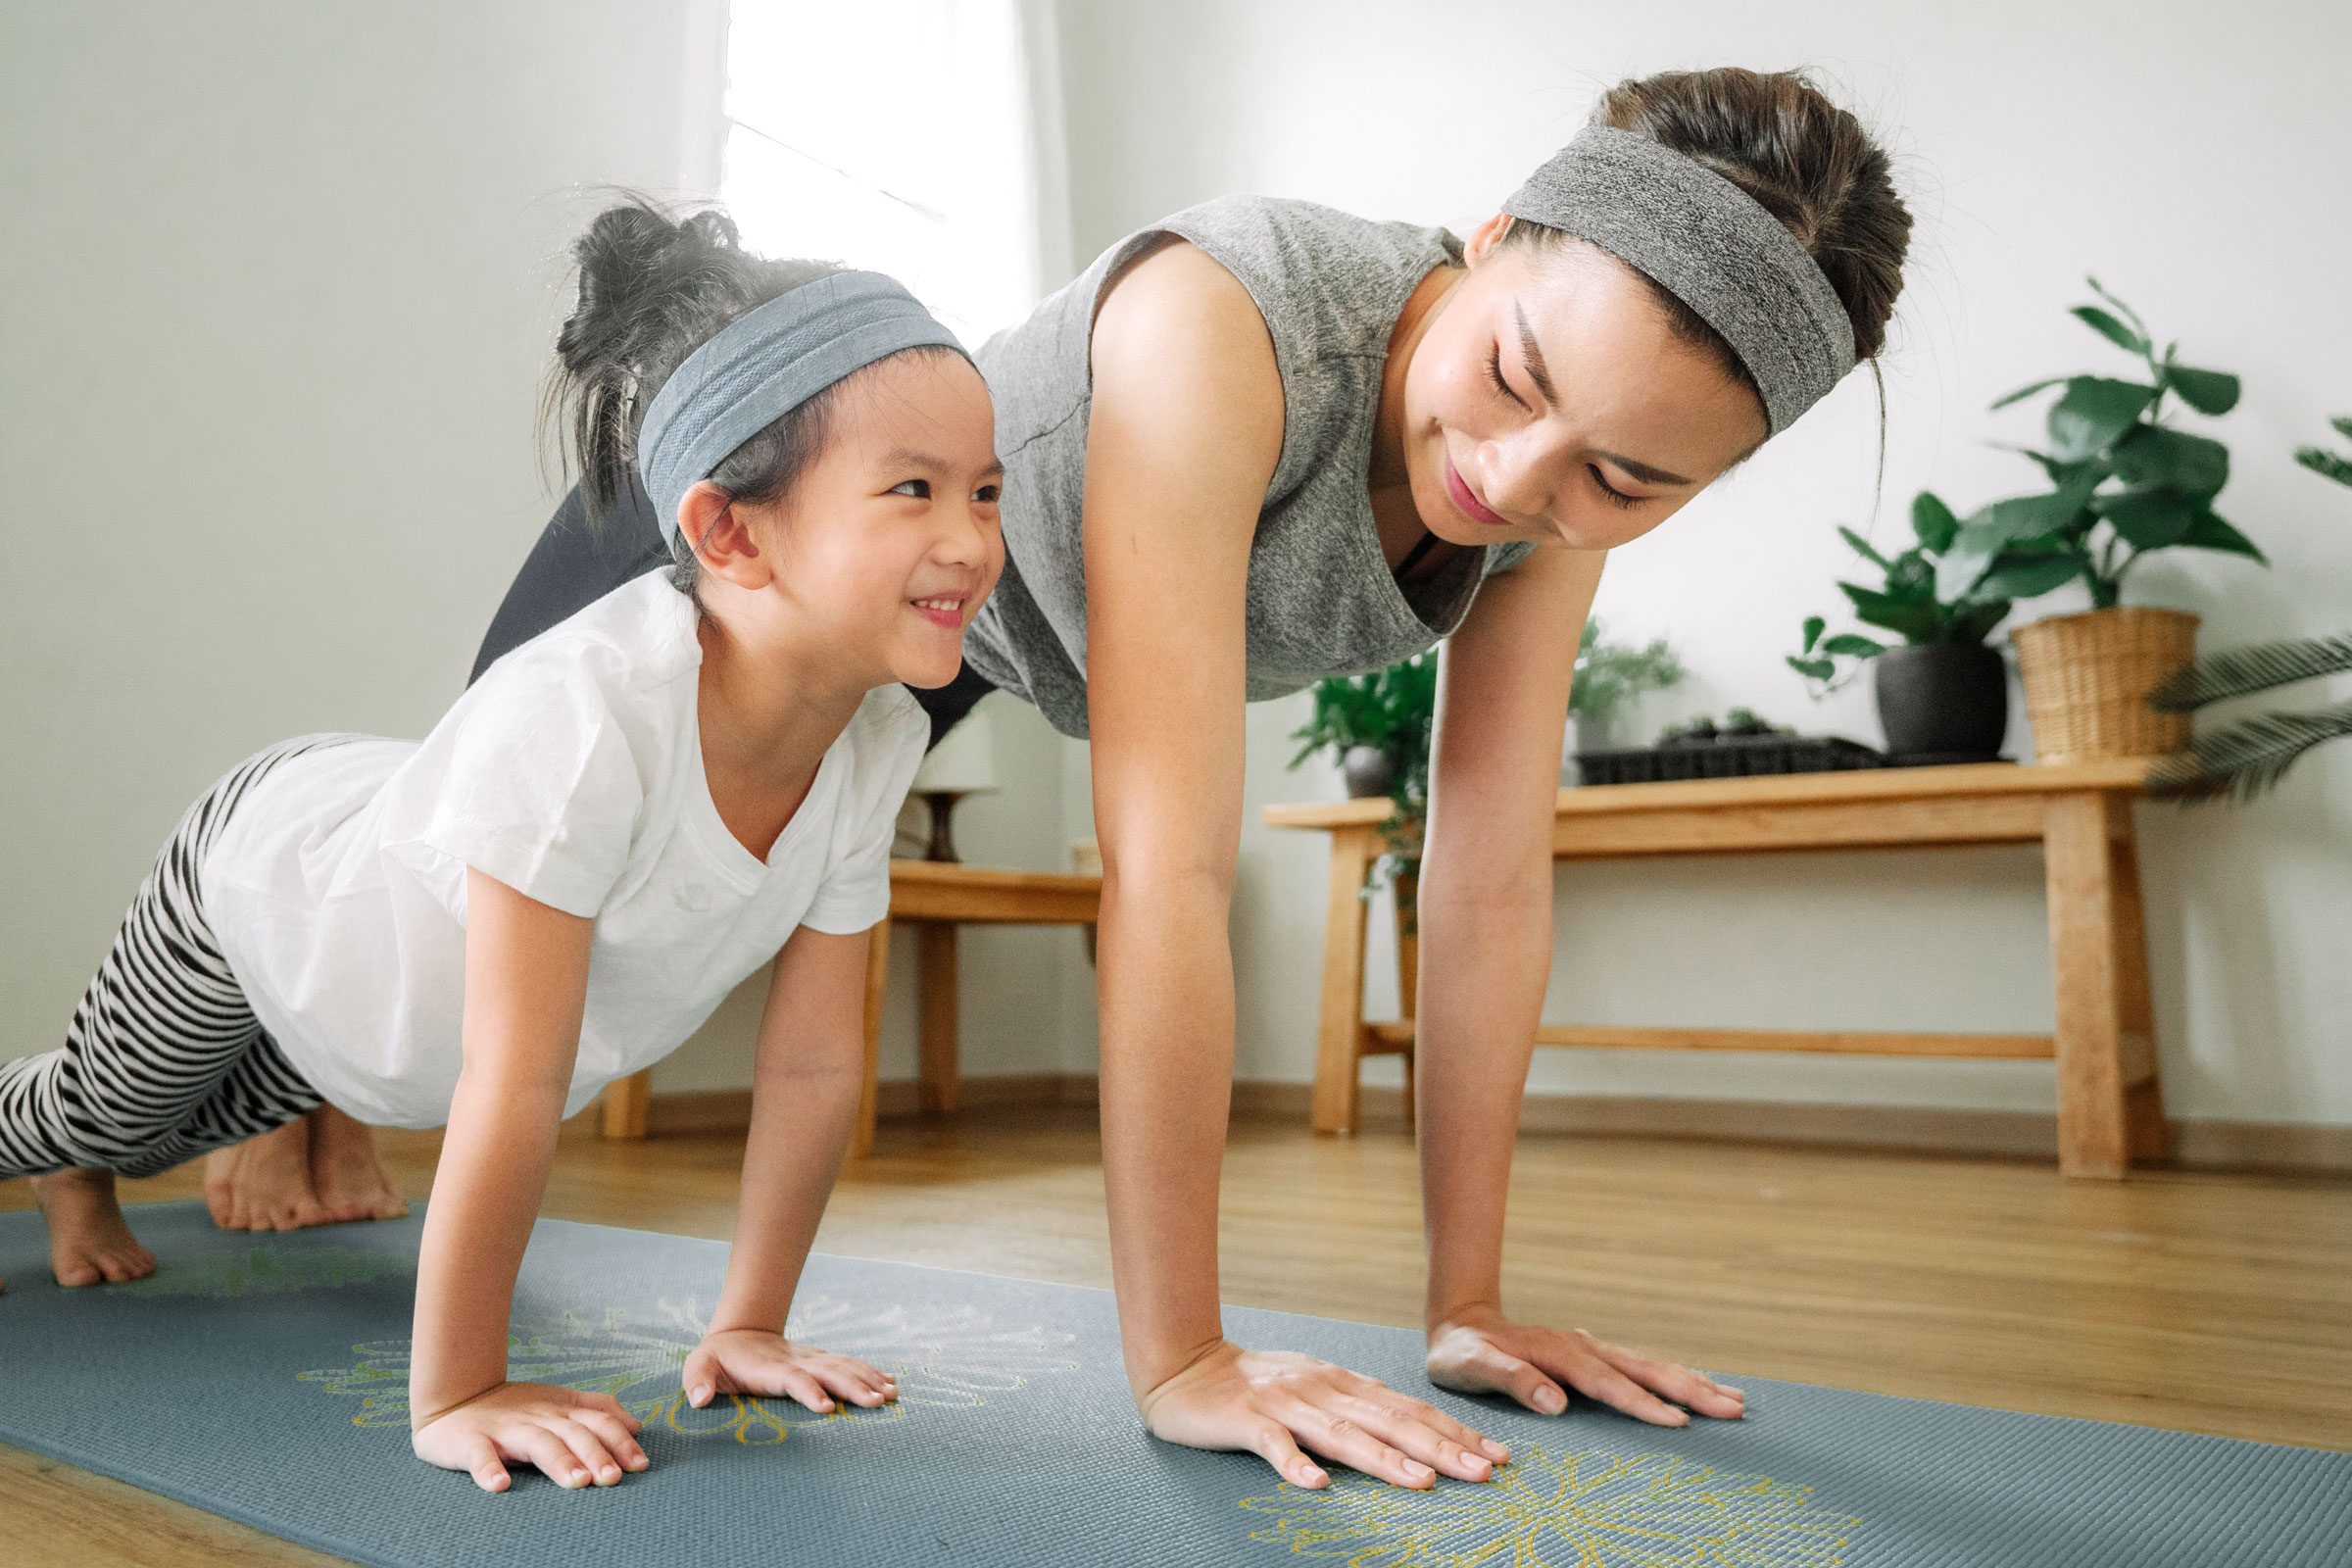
<point>2246,760</point>
<point>2252,669</point>
<point>2326,463</point>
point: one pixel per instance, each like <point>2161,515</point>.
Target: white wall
<point>277,284</point>
<point>2175,154</point>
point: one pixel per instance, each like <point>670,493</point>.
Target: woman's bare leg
<point>264,1184</point>
<point>89,1241</point>
<point>346,1173</point>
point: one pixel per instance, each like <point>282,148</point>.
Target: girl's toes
<point>77,1272</point>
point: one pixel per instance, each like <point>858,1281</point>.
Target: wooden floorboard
<point>2205,1302</point>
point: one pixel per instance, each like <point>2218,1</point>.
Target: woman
<point>1262,442</point>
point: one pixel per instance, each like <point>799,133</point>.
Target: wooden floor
<point>2211,1302</point>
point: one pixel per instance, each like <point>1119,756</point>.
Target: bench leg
<point>626,1104</point>
<point>877,976</point>
<point>2107,1101</point>
<point>1340,1034</point>
<point>936,940</point>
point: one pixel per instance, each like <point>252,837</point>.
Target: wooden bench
<point>935,897</point>
<point>2110,1103</point>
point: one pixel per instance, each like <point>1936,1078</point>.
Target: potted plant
<point>2247,757</point>
<point>1608,677</point>
<point>2121,483</point>
<point>1380,724</point>
<point>1942,693</point>
<point>1378,727</point>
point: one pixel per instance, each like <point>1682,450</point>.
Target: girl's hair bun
<point>652,288</point>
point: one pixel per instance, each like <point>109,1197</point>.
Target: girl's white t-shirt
<point>573,771</point>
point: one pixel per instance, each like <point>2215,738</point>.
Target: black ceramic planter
<point>1942,703</point>
<point>1369,770</point>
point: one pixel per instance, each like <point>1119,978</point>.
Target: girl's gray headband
<point>1708,243</point>
<point>762,364</point>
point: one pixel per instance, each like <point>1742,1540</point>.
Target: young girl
<point>696,774</point>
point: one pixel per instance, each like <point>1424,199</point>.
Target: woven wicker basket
<point>2088,680</point>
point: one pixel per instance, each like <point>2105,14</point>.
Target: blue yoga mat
<point>265,1379</point>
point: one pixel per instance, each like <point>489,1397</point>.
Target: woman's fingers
<point>1577,1360</point>
<point>1419,1432</point>
<point>1487,1366</point>
<point>1272,1442</point>
<point>1460,1433</point>
<point>1681,1384</point>
<point>1340,1438</point>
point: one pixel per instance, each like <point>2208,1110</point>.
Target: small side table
<point>935,897</point>
<point>2110,1103</point>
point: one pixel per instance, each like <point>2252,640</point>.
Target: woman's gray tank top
<point>1321,598</point>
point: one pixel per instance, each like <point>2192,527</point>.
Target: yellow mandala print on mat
<point>942,1358</point>
<point>1563,1508</point>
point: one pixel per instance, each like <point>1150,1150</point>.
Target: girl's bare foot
<point>89,1241</point>
<point>345,1172</point>
<point>264,1184</point>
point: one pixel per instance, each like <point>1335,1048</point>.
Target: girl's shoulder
<point>629,646</point>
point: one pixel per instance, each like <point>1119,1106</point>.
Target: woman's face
<point>890,541</point>
<point>1547,399</point>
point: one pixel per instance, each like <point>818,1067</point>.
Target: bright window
<point>889,134</point>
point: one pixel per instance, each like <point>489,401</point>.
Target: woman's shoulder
<point>1327,279</point>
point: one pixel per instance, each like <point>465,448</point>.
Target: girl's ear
<point>1485,238</point>
<point>720,535</point>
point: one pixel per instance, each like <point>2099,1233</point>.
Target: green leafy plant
<point>2248,758</point>
<point>1909,602</point>
<point>1610,675</point>
<point>1395,709</point>
<point>2122,482</point>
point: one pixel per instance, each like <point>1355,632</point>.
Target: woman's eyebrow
<point>1536,367</point>
<point>1643,471</point>
<point>1541,373</point>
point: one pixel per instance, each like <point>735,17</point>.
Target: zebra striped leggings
<point>163,1058</point>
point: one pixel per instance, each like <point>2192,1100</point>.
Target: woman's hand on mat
<point>753,1362</point>
<point>1479,1350</point>
<point>1275,1404</point>
<point>574,1438</point>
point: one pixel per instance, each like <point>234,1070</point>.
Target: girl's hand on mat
<point>753,1361</point>
<point>573,1437</point>
<point>1272,1401</point>
<point>1479,1350</point>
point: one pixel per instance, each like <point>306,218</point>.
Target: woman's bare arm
<point>1486,955</point>
<point>1186,429</point>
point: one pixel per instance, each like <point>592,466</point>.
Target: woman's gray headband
<point>764,364</point>
<point>1708,243</point>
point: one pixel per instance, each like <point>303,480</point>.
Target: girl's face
<point>890,540</point>
<point>1547,399</point>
